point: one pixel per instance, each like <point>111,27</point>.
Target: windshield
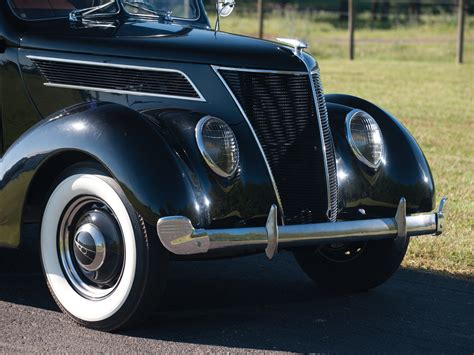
<point>51,9</point>
<point>186,9</point>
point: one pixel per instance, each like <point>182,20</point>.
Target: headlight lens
<point>218,145</point>
<point>365,137</point>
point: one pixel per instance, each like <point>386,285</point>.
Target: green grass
<point>409,70</point>
<point>433,39</point>
<point>436,103</point>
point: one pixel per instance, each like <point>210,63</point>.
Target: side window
<point>47,9</point>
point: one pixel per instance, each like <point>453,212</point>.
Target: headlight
<point>218,145</point>
<point>365,138</point>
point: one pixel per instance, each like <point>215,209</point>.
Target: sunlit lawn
<point>410,71</point>
<point>433,39</point>
<point>436,102</point>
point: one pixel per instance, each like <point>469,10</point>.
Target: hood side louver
<point>114,78</point>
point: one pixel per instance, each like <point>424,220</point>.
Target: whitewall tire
<point>100,262</point>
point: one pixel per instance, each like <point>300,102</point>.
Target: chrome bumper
<point>179,236</point>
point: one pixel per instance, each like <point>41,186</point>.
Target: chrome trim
<point>12,9</point>
<point>272,233</point>
<point>65,254</point>
<point>77,15</point>
<point>297,45</point>
<point>323,143</point>
<point>199,140</point>
<point>401,219</point>
<point>194,19</point>
<point>440,215</point>
<point>244,114</point>
<point>179,236</point>
<point>247,70</point>
<point>100,247</point>
<point>350,140</point>
<point>112,13</point>
<point>121,66</point>
<point>122,92</point>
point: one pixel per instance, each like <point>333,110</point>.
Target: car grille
<point>133,80</point>
<point>282,111</point>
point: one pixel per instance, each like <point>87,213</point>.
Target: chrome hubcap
<point>91,248</point>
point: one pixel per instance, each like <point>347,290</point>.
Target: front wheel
<point>352,267</point>
<point>103,265</point>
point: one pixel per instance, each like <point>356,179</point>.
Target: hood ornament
<point>297,45</point>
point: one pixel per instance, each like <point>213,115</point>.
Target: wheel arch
<point>45,179</point>
<point>123,141</point>
<point>40,188</point>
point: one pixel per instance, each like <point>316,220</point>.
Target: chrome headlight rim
<point>349,117</point>
<point>205,154</point>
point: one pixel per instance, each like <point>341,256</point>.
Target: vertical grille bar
<point>329,145</point>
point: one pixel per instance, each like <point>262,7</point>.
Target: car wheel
<point>104,266</point>
<point>352,267</point>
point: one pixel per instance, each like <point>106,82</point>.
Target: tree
<point>343,5</point>
<point>380,7</point>
<point>414,9</point>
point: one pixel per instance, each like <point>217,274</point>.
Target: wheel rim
<point>91,247</point>
<point>342,252</point>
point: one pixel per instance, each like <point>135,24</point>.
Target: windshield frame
<point>121,10</point>
<point>194,19</point>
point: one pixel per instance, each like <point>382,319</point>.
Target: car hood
<point>157,41</point>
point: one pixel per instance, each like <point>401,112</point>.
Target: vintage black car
<point>134,131</point>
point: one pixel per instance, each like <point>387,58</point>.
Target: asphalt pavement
<point>250,304</point>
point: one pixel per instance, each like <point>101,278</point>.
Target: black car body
<point>125,92</point>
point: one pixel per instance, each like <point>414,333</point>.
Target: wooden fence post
<point>460,41</point>
<point>351,29</point>
<point>261,15</point>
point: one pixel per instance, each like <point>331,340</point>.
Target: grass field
<point>436,102</point>
<point>410,71</point>
<point>433,39</point>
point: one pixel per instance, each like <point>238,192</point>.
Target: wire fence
<point>429,27</point>
<point>416,7</point>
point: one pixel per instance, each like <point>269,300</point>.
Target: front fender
<point>153,157</point>
<point>118,138</point>
<point>404,173</point>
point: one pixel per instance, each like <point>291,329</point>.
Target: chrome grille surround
<point>116,78</point>
<point>330,154</point>
<point>308,92</point>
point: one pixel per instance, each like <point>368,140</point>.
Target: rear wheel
<point>104,266</point>
<point>352,267</point>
